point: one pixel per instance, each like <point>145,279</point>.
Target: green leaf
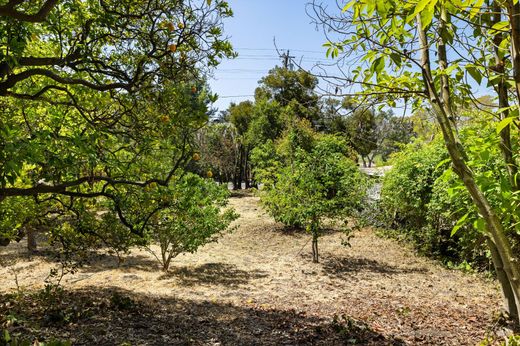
<point>475,8</point>
<point>440,164</point>
<point>480,225</point>
<point>396,58</point>
<point>349,5</point>
<point>504,123</point>
<point>426,6</point>
<point>501,26</point>
<point>427,15</point>
<point>459,224</point>
<point>474,73</point>
<point>7,337</point>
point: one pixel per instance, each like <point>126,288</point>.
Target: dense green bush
<point>424,201</point>
<point>192,217</point>
<point>421,203</point>
<point>407,188</point>
<point>307,185</point>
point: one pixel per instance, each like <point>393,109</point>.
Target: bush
<point>425,201</point>
<point>192,217</point>
<point>420,201</point>
<point>308,186</point>
<point>408,186</point>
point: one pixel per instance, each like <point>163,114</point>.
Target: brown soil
<point>257,285</point>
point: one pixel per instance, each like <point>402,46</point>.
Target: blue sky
<point>251,31</point>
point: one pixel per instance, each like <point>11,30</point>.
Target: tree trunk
<point>313,229</point>
<point>31,239</point>
<point>315,255</point>
<point>503,101</point>
<point>237,177</point>
<point>507,291</point>
<point>514,13</point>
<point>246,168</point>
<point>456,152</point>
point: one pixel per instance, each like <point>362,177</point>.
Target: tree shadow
<point>341,266</point>
<point>99,262</point>
<point>213,274</point>
<point>300,231</point>
<point>241,193</point>
<point>95,316</point>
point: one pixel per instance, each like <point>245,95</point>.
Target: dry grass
<point>264,272</point>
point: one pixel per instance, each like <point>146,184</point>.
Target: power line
<point>273,49</point>
<point>232,96</point>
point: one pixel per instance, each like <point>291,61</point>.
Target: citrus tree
<point>193,216</point>
<point>306,184</point>
<point>100,102</point>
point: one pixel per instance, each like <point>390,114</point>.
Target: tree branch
<point>8,10</point>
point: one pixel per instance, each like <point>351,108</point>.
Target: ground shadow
<point>90,261</point>
<point>241,193</point>
<point>112,317</point>
<point>213,274</point>
<point>99,262</point>
<point>341,266</point>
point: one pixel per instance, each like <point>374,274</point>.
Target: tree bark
<point>456,153</point>
<point>237,178</point>
<point>507,291</point>
<point>503,101</point>
<point>31,239</point>
<point>246,169</point>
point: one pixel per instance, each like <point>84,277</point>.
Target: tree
<point>471,39</point>
<point>309,177</point>
<point>361,130</point>
<point>392,133</point>
<point>240,116</point>
<point>286,86</point>
<point>218,150</point>
<point>193,218</point>
<point>101,99</point>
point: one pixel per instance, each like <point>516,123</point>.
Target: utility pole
<point>287,60</point>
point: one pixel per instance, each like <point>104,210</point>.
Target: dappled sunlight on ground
<point>261,274</point>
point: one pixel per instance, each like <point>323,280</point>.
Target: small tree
<point>313,185</point>
<point>193,216</point>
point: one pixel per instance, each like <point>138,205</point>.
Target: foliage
<point>192,217</point>
<point>370,132</point>
<point>420,200</point>
<point>287,86</point>
<point>423,198</point>
<point>361,129</point>
<point>218,149</point>
<point>407,188</point>
<point>99,103</point>
<point>307,186</point>
<point>412,52</point>
<point>267,122</point>
<point>512,340</point>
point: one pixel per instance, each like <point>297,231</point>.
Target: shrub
<point>407,187</point>
<point>310,186</point>
<point>192,217</point>
<point>425,201</point>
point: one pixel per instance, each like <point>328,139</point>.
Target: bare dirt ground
<point>258,286</point>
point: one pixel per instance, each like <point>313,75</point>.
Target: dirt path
<point>258,285</point>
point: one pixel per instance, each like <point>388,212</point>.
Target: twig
<point>303,246</point>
